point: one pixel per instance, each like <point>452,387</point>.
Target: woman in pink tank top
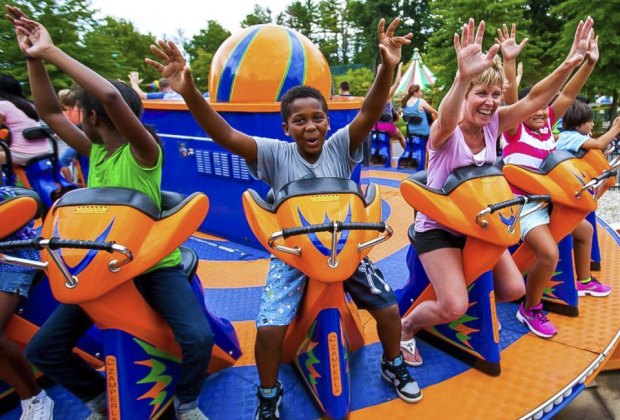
<point>469,120</point>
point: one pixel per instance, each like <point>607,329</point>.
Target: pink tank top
<point>454,154</point>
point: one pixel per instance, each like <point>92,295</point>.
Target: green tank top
<point>121,170</point>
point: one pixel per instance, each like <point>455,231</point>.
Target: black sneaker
<point>397,374</point>
<point>269,407</point>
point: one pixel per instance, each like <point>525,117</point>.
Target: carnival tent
<point>417,73</point>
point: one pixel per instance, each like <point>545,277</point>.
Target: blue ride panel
<point>380,149</point>
<point>414,154</point>
<point>323,362</point>
<point>140,378</point>
<point>45,178</point>
<point>194,162</point>
<point>595,259</point>
<point>224,335</point>
<point>561,293</point>
<point>474,337</point>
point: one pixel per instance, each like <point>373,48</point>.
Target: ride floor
<point>538,377</point>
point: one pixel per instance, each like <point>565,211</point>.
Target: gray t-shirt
<point>279,162</point>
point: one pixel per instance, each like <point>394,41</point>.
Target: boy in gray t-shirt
<point>305,119</point>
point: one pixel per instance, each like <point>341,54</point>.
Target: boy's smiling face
<point>307,124</point>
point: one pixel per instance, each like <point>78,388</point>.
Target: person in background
<point>18,114</point>
<point>577,134</point>
<point>344,89</point>
<point>69,99</point>
<point>165,91</point>
<point>15,370</point>
<point>415,112</point>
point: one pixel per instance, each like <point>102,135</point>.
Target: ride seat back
<point>310,202</point>
<point>126,216</point>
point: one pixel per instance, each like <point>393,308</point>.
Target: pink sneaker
<point>593,288</point>
<point>536,320</point>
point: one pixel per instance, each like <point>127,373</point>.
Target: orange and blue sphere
<point>260,63</point>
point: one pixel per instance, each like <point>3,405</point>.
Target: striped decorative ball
<point>260,63</point>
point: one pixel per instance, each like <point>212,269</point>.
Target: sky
<point>160,19</point>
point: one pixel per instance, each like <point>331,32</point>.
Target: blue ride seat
<point>43,172</point>
<point>380,150</point>
<point>414,155</point>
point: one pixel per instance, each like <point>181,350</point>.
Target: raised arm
<point>178,74</point>
<point>45,99</point>
<point>510,51</point>
<point>603,141</point>
<point>399,75</point>
<point>471,62</point>
<point>426,107</point>
<point>134,82</point>
<point>389,46</point>
<point>143,145</point>
<point>571,89</point>
<point>543,91</point>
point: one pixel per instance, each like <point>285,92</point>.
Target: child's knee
<point>270,338</point>
<point>548,256</point>
<point>583,233</point>
<point>452,310</point>
<point>387,317</point>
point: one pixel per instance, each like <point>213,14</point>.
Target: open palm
<point>471,60</point>
<point>172,66</point>
<point>389,44</point>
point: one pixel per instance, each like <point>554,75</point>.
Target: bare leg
<point>14,368</point>
<point>546,250</point>
<point>401,139</point>
<point>582,246</point>
<point>444,268</point>
<point>268,353</point>
<point>508,281</point>
<point>389,330</point>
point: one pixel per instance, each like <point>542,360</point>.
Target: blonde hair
<point>491,76</point>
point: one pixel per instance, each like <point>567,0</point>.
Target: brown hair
<point>410,92</point>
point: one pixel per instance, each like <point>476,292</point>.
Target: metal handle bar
<point>54,244</point>
<point>520,201</point>
<point>596,183</point>
<point>335,228</point>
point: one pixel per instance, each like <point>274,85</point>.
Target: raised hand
<point>134,78</point>
<point>32,37</point>
<point>389,44</point>
<point>468,49</point>
<point>593,53</point>
<point>508,42</point>
<point>581,43</point>
<point>172,66</point>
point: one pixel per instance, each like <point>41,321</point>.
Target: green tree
<point>359,80</point>
<point>258,16</point>
<point>604,79</point>
<point>202,47</point>
<point>453,14</point>
<point>66,21</point>
<point>299,16</point>
<point>116,48</point>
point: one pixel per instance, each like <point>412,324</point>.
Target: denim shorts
<point>538,218</point>
<point>16,282</point>
<point>285,287</point>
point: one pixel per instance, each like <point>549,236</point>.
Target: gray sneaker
<point>40,407</point>
<point>396,373</point>
<point>193,414</point>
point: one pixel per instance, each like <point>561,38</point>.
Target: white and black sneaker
<point>396,373</point>
<point>269,401</point>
